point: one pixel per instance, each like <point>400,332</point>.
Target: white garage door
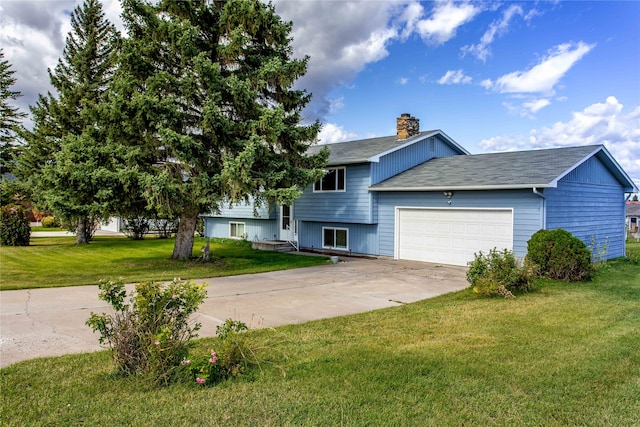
<point>451,236</point>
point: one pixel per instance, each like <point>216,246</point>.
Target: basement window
<point>236,230</point>
<point>335,238</point>
<point>333,180</point>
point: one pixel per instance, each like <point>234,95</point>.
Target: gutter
<point>460,187</point>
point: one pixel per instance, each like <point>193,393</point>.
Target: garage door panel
<point>452,236</point>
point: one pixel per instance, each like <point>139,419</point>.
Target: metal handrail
<point>291,241</point>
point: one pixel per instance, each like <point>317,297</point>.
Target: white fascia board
<point>413,140</point>
<point>554,183</point>
<point>612,164</point>
<point>463,188</point>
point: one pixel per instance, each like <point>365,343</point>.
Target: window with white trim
<point>333,180</point>
<point>335,238</point>
<point>236,230</point>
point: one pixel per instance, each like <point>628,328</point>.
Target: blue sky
<point>494,76</point>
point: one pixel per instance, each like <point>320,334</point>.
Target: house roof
<point>509,170</point>
<point>633,209</point>
<point>371,149</point>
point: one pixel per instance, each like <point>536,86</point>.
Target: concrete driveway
<point>51,322</point>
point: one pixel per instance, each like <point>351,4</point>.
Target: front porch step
<point>273,245</point>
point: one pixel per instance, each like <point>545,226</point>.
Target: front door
<point>288,227</point>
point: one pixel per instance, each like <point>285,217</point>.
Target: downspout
<point>543,214</point>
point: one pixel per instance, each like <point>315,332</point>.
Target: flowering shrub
<point>150,334</point>
<point>235,356</point>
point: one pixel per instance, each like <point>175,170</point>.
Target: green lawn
<point>58,261</point>
<point>564,355</point>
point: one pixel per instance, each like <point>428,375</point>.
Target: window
<point>333,180</point>
<point>286,217</point>
<point>335,238</point>
<point>236,230</point>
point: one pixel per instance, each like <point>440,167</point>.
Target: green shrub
<point>234,357</point>
<point>498,273</point>
<point>15,228</point>
<point>135,227</point>
<point>150,334</point>
<point>50,222</point>
<point>560,255</point>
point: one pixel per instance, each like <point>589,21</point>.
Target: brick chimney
<point>407,126</point>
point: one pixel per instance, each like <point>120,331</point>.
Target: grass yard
<point>564,355</point>
<point>58,261</point>
<point>633,249</point>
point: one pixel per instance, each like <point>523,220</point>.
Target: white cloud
<point>544,76</point>
<point>496,29</point>
<point>456,77</point>
<point>410,17</point>
<point>403,81</point>
<point>447,16</point>
<point>341,38</point>
<point>331,133</point>
<point>600,123</point>
<point>33,36</point>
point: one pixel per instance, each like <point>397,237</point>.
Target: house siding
<point>408,157</point>
<point>363,238</point>
<point>354,205</point>
<point>527,212</point>
<point>589,203</point>
<point>244,210</point>
<point>255,229</point>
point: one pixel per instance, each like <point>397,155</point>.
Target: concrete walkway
<point>51,322</point>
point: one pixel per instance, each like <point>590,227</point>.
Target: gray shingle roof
<point>360,151</point>
<point>633,208</point>
<point>518,169</point>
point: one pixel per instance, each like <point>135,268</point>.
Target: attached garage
<point>451,236</point>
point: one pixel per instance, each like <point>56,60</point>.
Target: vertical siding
<point>527,212</point>
<point>350,206</point>
<point>256,229</point>
<point>589,203</point>
<point>408,157</point>
<point>363,238</point>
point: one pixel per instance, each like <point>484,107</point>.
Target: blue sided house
<point>418,195</point>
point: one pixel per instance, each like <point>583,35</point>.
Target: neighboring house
<point>421,196</point>
<point>633,216</point>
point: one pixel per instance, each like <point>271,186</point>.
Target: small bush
<point>498,273</point>
<point>15,228</point>
<point>234,357</point>
<point>559,255</point>
<point>150,334</point>
<point>135,227</point>
<point>50,222</point>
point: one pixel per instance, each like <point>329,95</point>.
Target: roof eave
<point>463,188</point>
<point>610,163</point>
<point>413,140</point>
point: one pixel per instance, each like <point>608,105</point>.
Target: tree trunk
<point>81,232</point>
<point>183,248</point>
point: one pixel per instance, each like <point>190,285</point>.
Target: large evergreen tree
<point>69,164</point>
<point>204,93</point>
<point>10,116</point>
